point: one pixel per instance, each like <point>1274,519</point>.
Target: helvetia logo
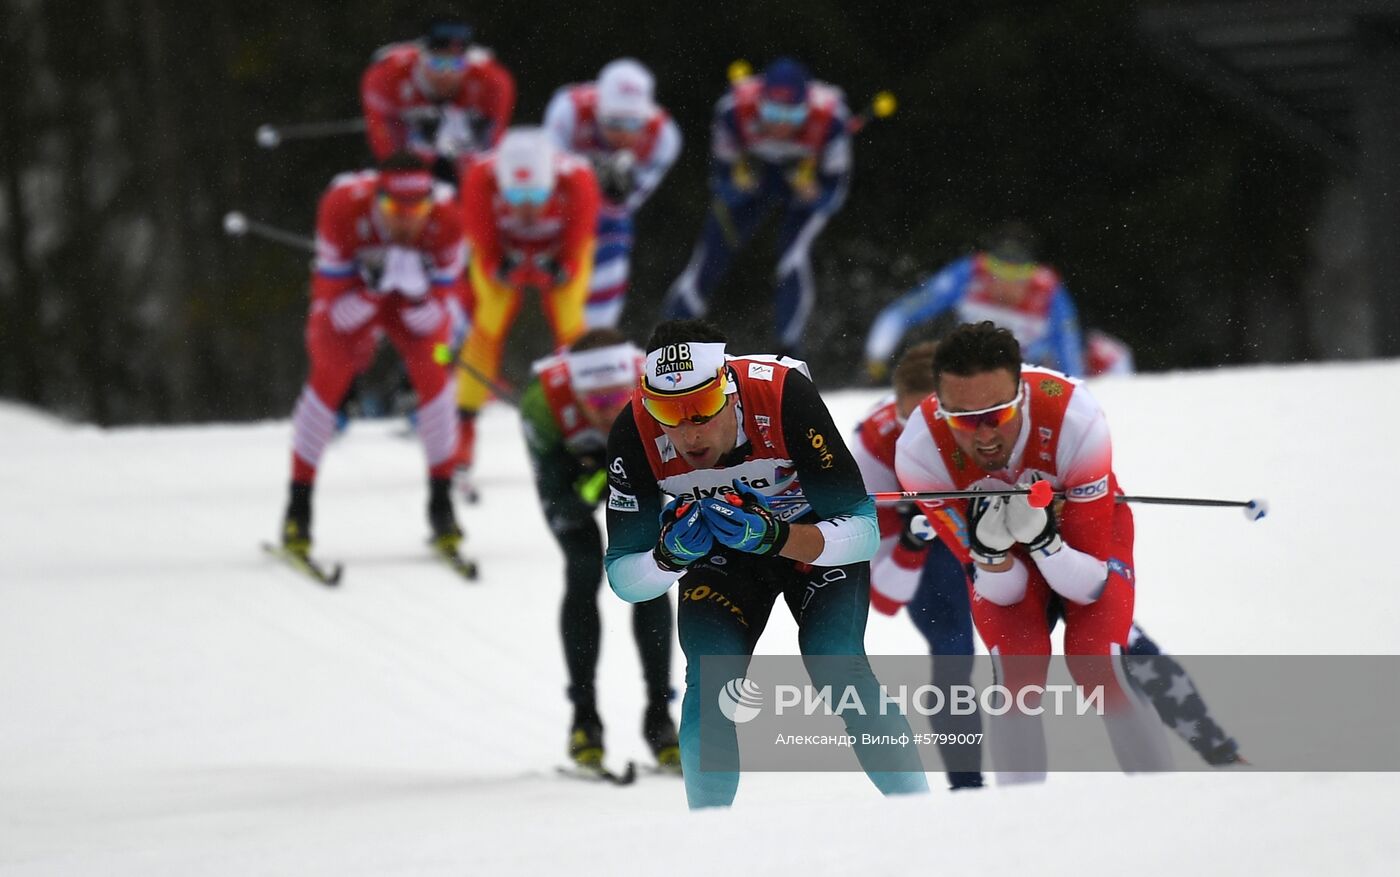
<point>740,700</point>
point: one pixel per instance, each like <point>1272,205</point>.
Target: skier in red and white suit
<point>389,253</point>
<point>440,97</point>
<point>631,142</point>
<point>995,423</point>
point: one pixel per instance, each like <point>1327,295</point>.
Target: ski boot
<point>586,738</point>
<point>660,734</point>
<point>964,779</point>
<point>296,526</point>
<point>447,535</point>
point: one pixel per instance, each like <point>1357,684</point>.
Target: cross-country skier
<point>995,423</point>
<point>781,141</point>
<point>567,410</point>
<point>909,569</point>
<point>722,435</point>
<point>1106,354</point>
<point>616,124</point>
<point>1004,284</point>
<point>530,211</point>
<point>389,254</point>
<point>440,97</point>
<point>930,577</point>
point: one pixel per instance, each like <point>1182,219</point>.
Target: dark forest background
<point>126,132</point>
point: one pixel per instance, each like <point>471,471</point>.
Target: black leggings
<point>579,621</point>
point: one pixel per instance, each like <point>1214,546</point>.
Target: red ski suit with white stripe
<point>1064,439</point>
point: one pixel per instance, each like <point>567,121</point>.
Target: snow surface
<point>172,702</point>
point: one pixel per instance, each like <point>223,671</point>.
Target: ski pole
<point>1041,494</point>
<point>271,136</point>
<point>236,225</point>
<point>881,106</point>
<point>504,393</point>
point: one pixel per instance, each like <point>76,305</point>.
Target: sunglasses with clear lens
<point>395,208</point>
<point>518,196</point>
<point>439,62</point>
<point>782,114</point>
<point>697,406</point>
<point>995,417</point>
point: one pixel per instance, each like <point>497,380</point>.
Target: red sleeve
<point>447,240</point>
<point>580,190</point>
<point>891,521</point>
<point>1089,526</point>
<point>448,252</point>
<point>1087,516</point>
<point>498,103</point>
<point>478,216</point>
<point>335,269</point>
<point>381,123</point>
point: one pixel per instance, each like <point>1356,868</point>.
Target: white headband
<point>613,366</point>
<point>677,368</point>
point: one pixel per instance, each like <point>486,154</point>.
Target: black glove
<point>445,168</point>
<point>510,260</point>
<point>552,268</point>
<point>907,512</point>
<point>617,176</point>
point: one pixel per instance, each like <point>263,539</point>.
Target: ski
<point>662,770</point>
<point>600,774</point>
<point>328,576</point>
<point>462,566</point>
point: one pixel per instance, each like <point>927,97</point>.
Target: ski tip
<point>330,577</point>
<point>628,776</point>
<point>600,774</point>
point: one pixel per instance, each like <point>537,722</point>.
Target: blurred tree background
<point>126,132</point>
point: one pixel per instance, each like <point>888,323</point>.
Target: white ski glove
<point>404,272</point>
<point>1032,527</point>
<point>351,311</point>
<point>454,134</point>
<point>989,534</point>
<point>423,318</point>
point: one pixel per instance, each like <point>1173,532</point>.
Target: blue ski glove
<point>743,520</point>
<point>685,537</point>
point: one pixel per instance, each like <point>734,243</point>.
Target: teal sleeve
<point>634,517</point>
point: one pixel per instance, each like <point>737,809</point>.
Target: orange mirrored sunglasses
<point>996,416</point>
<point>697,405</point>
<point>395,208</point>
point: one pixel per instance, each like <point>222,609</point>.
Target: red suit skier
<point>439,97</point>
<point>389,252</point>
